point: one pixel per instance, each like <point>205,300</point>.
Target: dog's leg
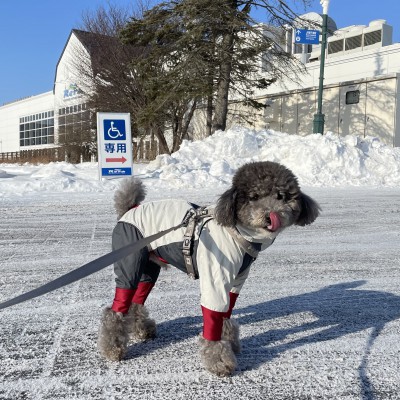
<point>218,357</point>
<point>113,335</point>
<point>140,326</point>
<point>230,333</point>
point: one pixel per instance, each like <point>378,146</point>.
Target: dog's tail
<point>130,193</point>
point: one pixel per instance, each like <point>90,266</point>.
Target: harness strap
<point>191,219</point>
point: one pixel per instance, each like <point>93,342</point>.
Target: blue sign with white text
<point>116,171</point>
<point>306,36</point>
<point>114,129</point>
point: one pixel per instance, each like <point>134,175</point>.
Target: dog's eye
<point>281,196</point>
<point>253,197</point>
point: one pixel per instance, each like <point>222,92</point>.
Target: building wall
<point>362,108</point>
<point>10,121</point>
<point>65,107</point>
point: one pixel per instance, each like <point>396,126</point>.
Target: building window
<point>36,129</point>
<point>372,37</point>
<point>298,48</point>
<point>335,46</point>
<point>74,124</point>
<point>353,42</point>
<point>353,97</point>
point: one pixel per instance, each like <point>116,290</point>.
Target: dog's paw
<point>230,333</point>
<point>218,357</point>
<point>113,336</point>
<point>140,326</point>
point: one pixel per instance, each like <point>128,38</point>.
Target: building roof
<point>97,45</point>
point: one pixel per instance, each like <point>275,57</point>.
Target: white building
<point>361,92</point>
<point>361,86</point>
<point>43,121</point>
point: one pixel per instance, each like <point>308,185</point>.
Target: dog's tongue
<point>275,222</point>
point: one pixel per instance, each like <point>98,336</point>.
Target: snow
<point>319,313</point>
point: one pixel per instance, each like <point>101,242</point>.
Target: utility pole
<point>319,118</point>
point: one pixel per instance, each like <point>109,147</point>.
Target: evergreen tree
<point>203,53</point>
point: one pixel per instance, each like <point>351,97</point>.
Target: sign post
<point>114,144</point>
<point>319,118</point>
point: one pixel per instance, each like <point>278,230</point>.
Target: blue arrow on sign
<point>306,36</point>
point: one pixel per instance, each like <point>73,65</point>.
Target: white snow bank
<point>317,160</point>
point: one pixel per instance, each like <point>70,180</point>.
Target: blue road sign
<point>114,129</point>
<point>306,36</point>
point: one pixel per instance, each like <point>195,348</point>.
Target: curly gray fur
<point>113,335</point>
<point>139,324</point>
<point>218,357</point>
<point>130,192</point>
<point>230,333</point>
<point>262,187</point>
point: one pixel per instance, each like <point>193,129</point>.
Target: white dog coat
<point>221,262</point>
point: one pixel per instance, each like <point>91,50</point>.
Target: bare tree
<point>103,67</point>
<point>213,51</point>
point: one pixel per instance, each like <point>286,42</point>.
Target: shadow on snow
<point>337,310</point>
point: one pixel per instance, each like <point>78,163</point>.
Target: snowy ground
<point>319,314</point>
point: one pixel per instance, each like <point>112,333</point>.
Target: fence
<point>33,156</point>
<point>144,150</point>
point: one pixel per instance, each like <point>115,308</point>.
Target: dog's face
<point>265,195</point>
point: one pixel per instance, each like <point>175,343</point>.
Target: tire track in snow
<point>51,358</point>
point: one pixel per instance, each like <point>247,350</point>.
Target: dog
<point>263,200</point>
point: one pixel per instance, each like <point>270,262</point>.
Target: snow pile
<point>317,160</point>
<point>53,177</point>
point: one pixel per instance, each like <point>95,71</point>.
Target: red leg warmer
<point>232,301</point>
<point>213,320</point>
<point>122,300</point>
<point>212,324</point>
<point>142,291</point>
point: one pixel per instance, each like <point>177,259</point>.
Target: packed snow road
<point>319,314</point>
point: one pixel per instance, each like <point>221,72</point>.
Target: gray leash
<point>87,269</point>
<point>104,261</point>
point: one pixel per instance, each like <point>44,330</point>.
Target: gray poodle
<point>217,247</point>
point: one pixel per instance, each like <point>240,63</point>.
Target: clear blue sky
<point>33,34</point>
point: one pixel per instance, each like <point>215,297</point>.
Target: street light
<point>319,118</point>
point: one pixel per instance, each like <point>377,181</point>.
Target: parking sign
<point>114,144</point>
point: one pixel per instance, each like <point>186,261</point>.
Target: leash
<point>190,220</point>
<point>87,269</point>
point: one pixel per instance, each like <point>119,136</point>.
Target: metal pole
<point>319,118</point>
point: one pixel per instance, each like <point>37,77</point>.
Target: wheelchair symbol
<point>114,130</point>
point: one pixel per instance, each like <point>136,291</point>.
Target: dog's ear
<point>225,210</point>
<point>309,210</point>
